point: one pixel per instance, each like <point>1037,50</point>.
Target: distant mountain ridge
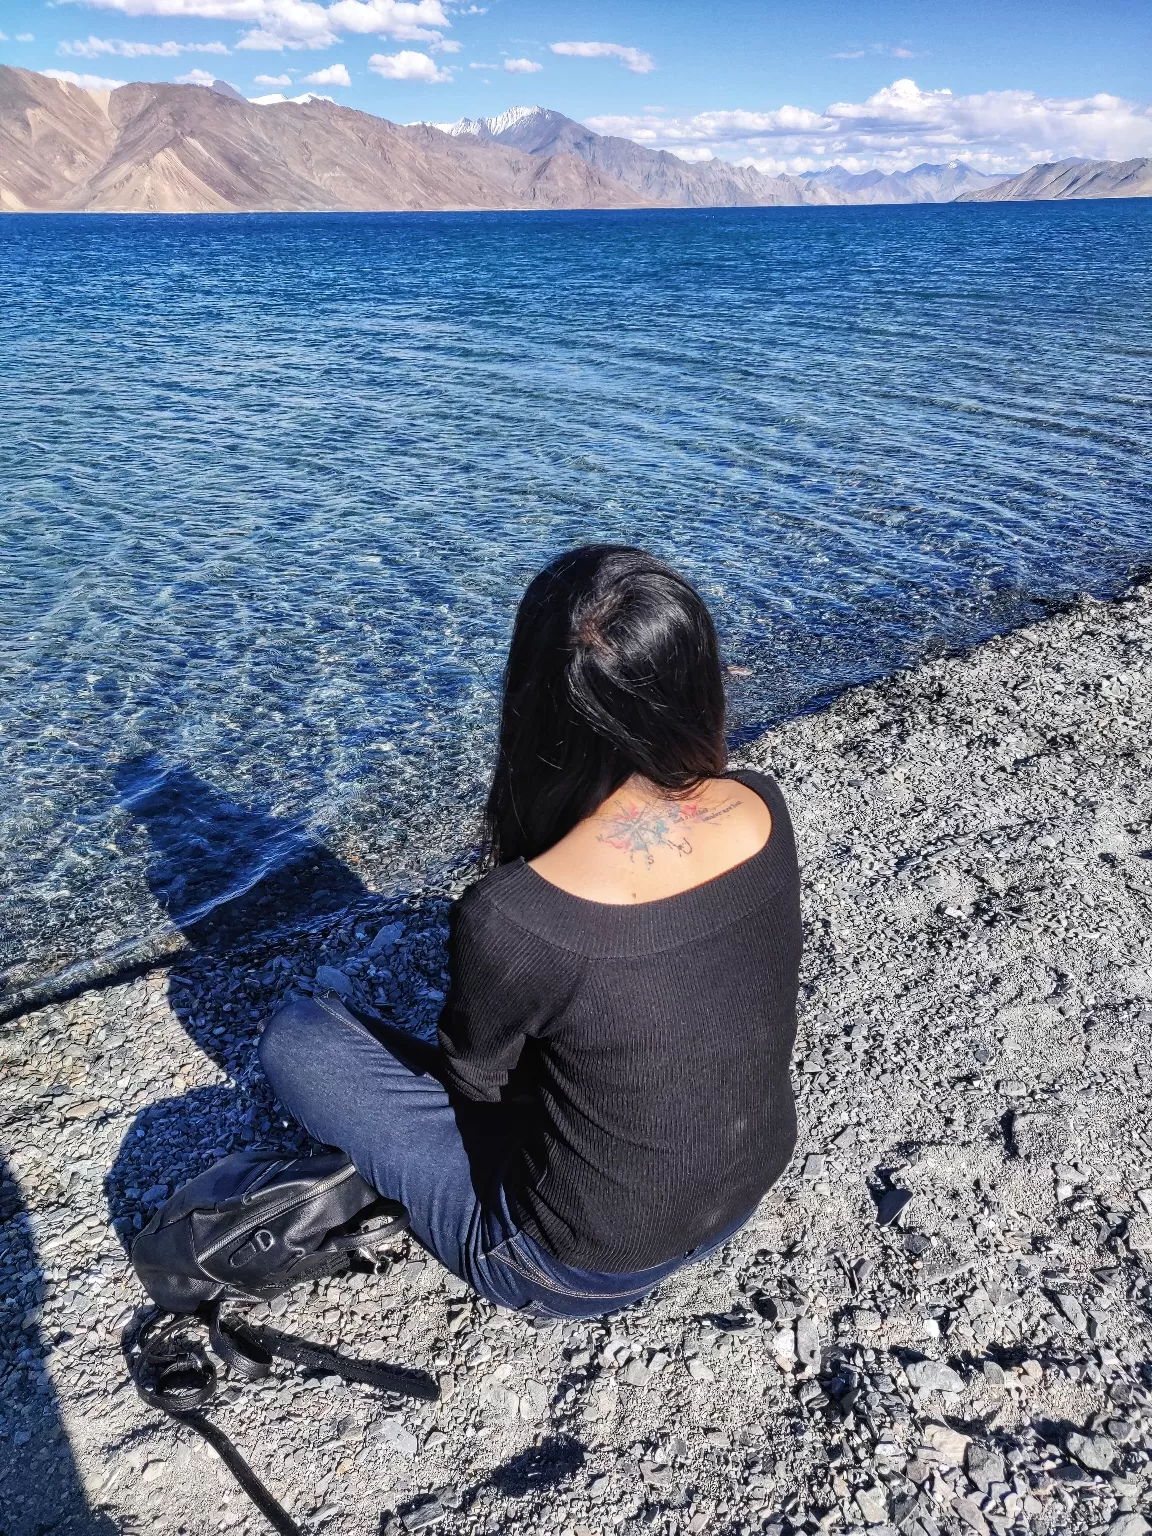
<point>1067,179</point>
<point>711,183</point>
<point>206,149</point>
<point>653,174</point>
<point>922,184</point>
<point>665,177</point>
<point>197,149</point>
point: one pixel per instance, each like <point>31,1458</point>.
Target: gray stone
<point>1072,1310</point>
<point>391,933</point>
<point>947,1267</point>
<point>1131,1524</point>
<point>1121,1430</point>
<point>971,1515</point>
<point>985,1466</point>
<point>1095,1452</point>
<point>424,1515</point>
<point>391,1433</point>
<point>891,1204</point>
<point>328,977</point>
<point>933,1376</point>
<point>949,1444</point>
<point>807,1343</point>
<point>873,1505</point>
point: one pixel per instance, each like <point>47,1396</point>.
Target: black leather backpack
<point>249,1228</point>
<point>258,1223</point>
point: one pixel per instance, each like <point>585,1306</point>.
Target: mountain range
<point>1066,179</point>
<point>206,149</point>
<point>659,176</point>
<point>195,149</point>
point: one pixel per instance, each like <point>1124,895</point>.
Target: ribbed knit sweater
<point>646,1047</point>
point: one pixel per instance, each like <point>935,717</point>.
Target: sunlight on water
<point>272,486</point>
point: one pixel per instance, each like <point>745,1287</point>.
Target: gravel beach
<point>940,1321</point>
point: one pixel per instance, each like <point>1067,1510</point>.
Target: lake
<point>272,485</point>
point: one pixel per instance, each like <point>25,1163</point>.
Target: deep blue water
<point>270,487</point>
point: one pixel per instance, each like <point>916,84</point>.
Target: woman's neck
<point>644,844</point>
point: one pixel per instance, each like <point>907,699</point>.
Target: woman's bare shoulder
<point>642,845</point>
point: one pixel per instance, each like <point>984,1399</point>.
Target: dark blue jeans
<point>374,1093</point>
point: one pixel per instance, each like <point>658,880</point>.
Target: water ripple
<point>272,484</point>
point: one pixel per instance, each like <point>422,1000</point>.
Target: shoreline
<point>640,207</point>
<point>975,1017</point>
<point>232,918</point>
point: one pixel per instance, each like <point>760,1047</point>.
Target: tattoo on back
<point>639,827</point>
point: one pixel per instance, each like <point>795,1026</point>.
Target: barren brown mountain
<point>204,149</point>
<point>189,149</point>
<point>1064,180</point>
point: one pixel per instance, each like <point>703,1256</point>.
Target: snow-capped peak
<point>492,127</point>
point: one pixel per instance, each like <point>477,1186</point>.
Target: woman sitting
<point>610,1097</point>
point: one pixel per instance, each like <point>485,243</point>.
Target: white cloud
<point>86,82</point>
<point>880,51</point>
<point>408,65</point>
<point>631,58</point>
<point>445,45</point>
<point>522,67</point>
<point>273,80</point>
<point>901,126</point>
<point>95,47</point>
<point>25,37</point>
<point>196,77</point>
<point>335,74</point>
<point>3,37</point>
<point>407,22</point>
<point>278,24</point>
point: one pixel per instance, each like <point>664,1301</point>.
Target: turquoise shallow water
<point>271,486</point>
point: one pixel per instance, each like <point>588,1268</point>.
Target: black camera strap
<point>173,1372</point>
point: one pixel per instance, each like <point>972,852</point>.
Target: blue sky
<point>783,86</point>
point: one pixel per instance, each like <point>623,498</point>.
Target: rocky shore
<point>939,1321</point>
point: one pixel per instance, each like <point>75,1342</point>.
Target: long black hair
<point>614,670</point>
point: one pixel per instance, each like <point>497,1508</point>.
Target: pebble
<point>1095,1452</point>
<point>949,1444</point>
<point>772,1387</point>
<point>336,981</point>
<point>431,1512</point>
<point>1131,1524</point>
<point>932,1376</point>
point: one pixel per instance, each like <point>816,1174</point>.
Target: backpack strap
<point>317,1357</point>
<point>250,1353</point>
<point>236,1346</point>
<point>174,1374</point>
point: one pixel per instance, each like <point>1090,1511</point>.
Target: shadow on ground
<point>243,957</point>
<point>40,1488</point>
<point>224,986</point>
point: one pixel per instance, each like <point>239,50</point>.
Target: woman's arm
<point>490,1009</point>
